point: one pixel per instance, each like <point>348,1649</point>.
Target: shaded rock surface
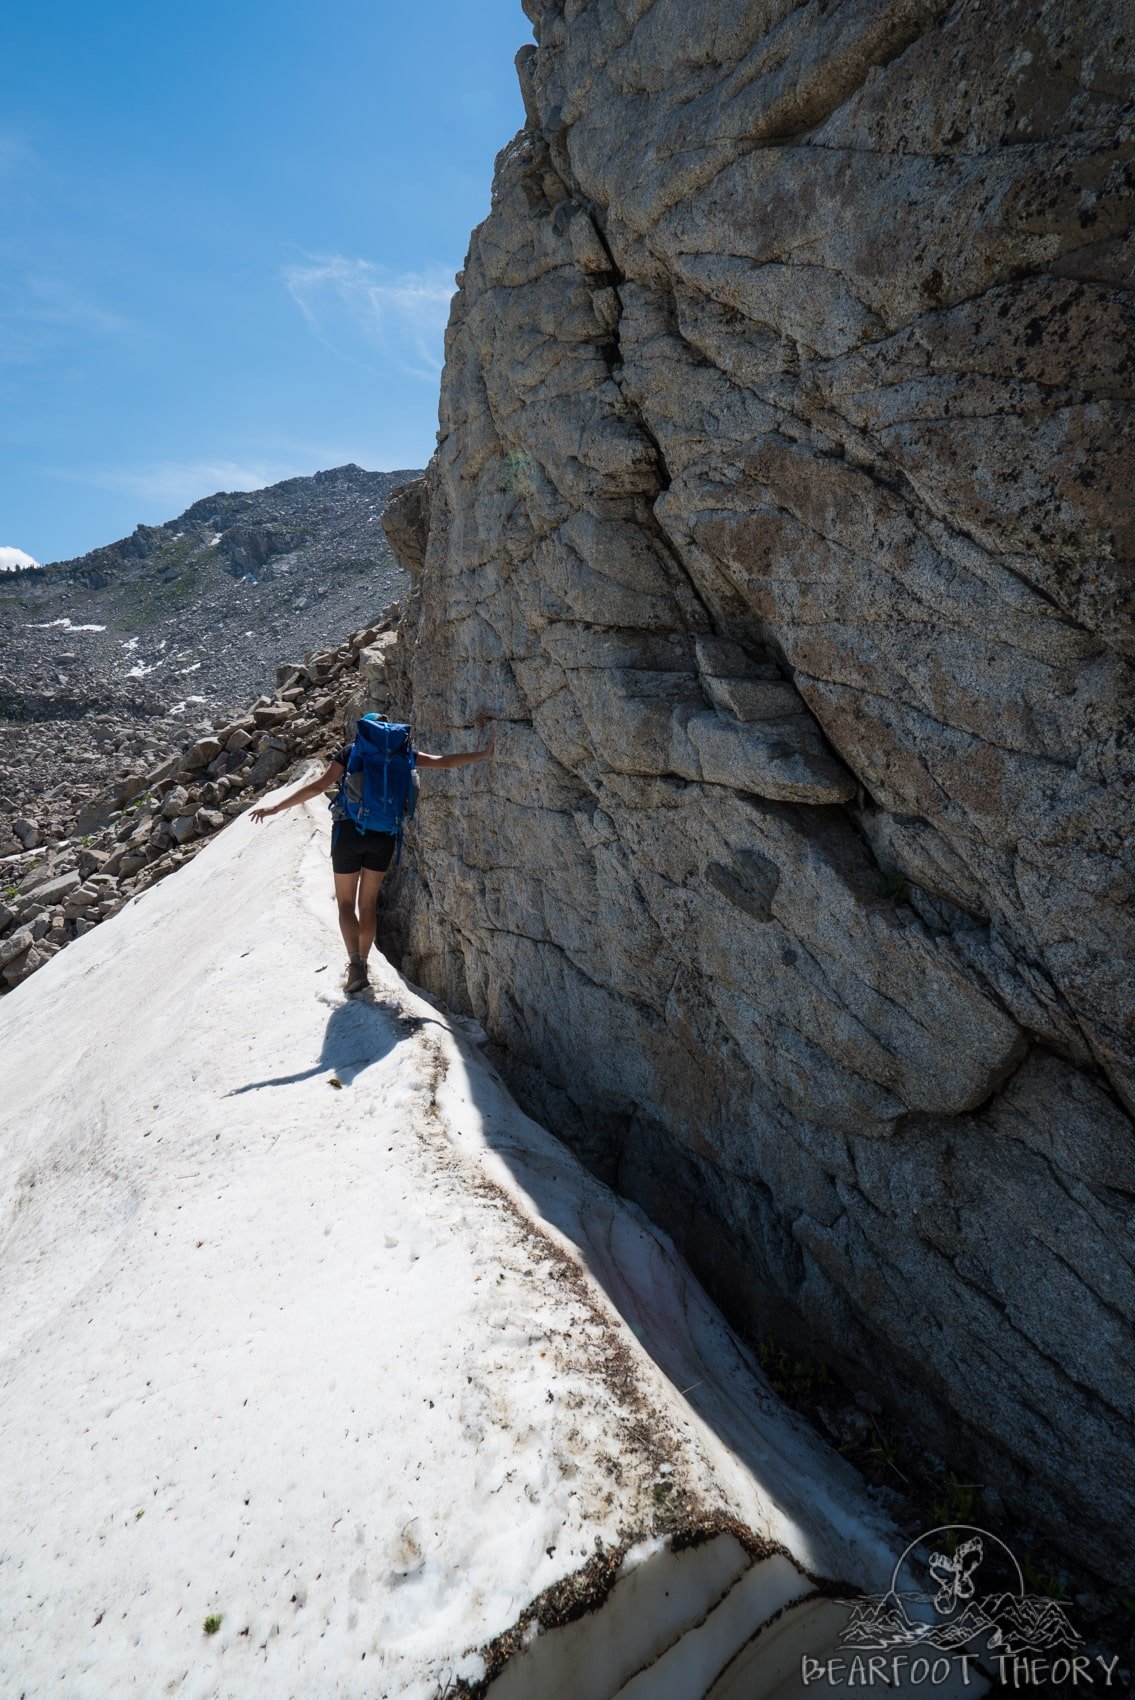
<point>780,515</point>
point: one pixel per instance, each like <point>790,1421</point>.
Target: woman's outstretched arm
<point>331,775</point>
<point>456,760</point>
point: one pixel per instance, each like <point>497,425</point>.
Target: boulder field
<point>128,836</point>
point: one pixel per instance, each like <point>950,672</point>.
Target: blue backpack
<point>378,787</point>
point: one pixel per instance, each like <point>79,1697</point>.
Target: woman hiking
<point>374,777</point>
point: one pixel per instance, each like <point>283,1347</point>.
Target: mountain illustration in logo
<point>951,1613</point>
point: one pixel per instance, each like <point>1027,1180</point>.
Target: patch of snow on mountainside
<point>64,624</point>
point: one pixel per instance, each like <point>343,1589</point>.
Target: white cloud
<point>12,559</point>
<point>400,315</point>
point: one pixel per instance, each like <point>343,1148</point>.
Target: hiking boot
<point>357,977</point>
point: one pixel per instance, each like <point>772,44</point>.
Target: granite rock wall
<point>782,516</point>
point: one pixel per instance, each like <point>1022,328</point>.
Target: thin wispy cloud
<point>15,154</point>
<point>37,311</point>
<point>168,486</point>
<point>45,304</point>
<point>55,301</point>
<point>354,306</point>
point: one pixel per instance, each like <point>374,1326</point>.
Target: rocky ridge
<point>108,662</point>
<point>143,827</point>
<point>779,511</point>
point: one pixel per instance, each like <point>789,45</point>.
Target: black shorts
<point>352,850</point>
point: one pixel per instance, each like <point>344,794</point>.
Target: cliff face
<point>780,511</point>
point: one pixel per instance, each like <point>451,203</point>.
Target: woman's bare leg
<point>346,887</point>
<point>370,884</point>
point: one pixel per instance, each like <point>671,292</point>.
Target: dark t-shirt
<point>338,812</point>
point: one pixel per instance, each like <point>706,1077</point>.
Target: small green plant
<point>895,885</point>
<point>213,1622</point>
<point>11,890</point>
<point>951,1539</point>
<point>140,1513</point>
<point>1042,1578</point>
<point>792,1378</point>
<point>883,1453</point>
<point>958,1501</point>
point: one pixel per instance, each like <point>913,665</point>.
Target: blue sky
<point>228,234</point>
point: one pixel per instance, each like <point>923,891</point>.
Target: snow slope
<point>306,1327</point>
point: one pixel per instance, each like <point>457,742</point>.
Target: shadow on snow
<point>359,1033</point>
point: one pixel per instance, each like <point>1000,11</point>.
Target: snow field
<point>305,1328</point>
